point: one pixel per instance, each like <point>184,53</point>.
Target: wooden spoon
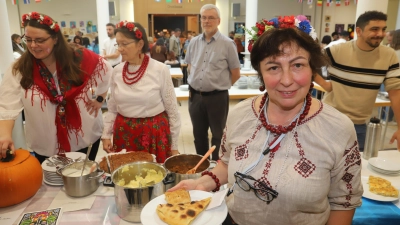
<point>193,171</point>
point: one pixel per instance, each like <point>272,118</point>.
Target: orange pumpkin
<point>20,178</point>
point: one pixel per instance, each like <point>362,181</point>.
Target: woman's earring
<point>262,88</point>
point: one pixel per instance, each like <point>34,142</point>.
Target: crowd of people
<point>286,156</point>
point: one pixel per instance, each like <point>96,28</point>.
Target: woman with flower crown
<point>53,83</point>
<point>286,157</point>
<point>142,109</point>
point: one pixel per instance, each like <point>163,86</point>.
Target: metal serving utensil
<point>87,156</point>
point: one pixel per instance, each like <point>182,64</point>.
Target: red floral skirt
<point>150,134</point>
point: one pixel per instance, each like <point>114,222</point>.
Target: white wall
<point>59,10</point>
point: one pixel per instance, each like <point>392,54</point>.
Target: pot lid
<point>20,156</point>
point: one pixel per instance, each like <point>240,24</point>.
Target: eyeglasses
<point>39,41</point>
<point>122,45</point>
<point>263,192</point>
<point>204,18</point>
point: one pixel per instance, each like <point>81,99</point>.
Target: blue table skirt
<point>376,213</point>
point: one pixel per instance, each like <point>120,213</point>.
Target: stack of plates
<point>384,166</point>
<point>50,176</point>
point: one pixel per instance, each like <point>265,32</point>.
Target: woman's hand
<point>6,143</point>
<point>107,145</point>
<point>188,185</point>
<point>93,106</point>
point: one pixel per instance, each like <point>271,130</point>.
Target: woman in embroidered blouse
<point>301,155</point>
<point>53,83</point>
<point>142,109</point>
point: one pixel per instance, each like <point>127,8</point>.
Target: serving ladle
<point>193,170</point>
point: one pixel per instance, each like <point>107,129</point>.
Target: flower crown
<point>301,22</point>
<point>42,19</point>
<point>131,27</point>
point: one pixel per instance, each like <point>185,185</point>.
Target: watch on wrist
<point>100,99</point>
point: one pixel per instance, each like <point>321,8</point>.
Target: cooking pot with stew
<point>178,165</point>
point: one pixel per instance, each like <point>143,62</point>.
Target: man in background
<point>213,67</point>
<point>110,51</point>
<point>335,36</point>
<point>358,70</point>
<point>232,34</point>
<point>175,43</point>
<point>343,37</point>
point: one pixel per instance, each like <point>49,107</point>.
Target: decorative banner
<point>168,1</point>
<point>299,1</point>
<point>347,2</point>
<point>179,1</point>
<point>14,2</point>
<point>337,2</point>
<point>328,2</point>
<point>309,2</point>
<point>38,0</point>
<point>190,0</point>
<point>158,0</point>
<point>27,1</point>
<point>319,2</point>
<point>355,2</point>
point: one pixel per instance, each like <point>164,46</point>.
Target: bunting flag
<point>328,3</point>
<point>158,0</point>
<point>179,1</point>
<point>38,0</point>
<point>27,1</point>
<point>337,2</point>
<point>190,0</point>
<point>309,2</point>
<point>14,2</point>
<point>168,1</point>
<point>347,2</point>
<point>319,2</point>
<point>299,1</point>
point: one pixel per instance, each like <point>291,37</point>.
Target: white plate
<point>384,171</point>
<point>72,155</point>
<point>52,184</point>
<point>384,164</point>
<point>213,216</point>
<point>370,195</point>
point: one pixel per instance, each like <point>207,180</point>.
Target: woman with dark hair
<point>287,157</point>
<point>96,45</point>
<point>142,109</point>
<point>53,83</point>
<point>17,45</point>
<point>159,51</point>
<point>78,40</point>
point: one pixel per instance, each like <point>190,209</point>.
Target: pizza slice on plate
<point>181,213</point>
<point>380,186</point>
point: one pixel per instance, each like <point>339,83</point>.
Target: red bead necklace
<point>137,74</point>
<point>281,129</point>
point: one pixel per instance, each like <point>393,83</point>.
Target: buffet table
<point>379,212</point>
<point>103,210</point>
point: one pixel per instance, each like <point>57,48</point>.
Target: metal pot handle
<point>169,179</point>
<point>213,164</point>
<point>99,174</point>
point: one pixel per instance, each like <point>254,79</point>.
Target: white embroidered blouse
<point>151,95</point>
<point>316,169</point>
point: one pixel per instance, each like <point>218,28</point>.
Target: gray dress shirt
<point>211,62</point>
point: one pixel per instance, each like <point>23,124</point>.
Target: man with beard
<point>358,69</point>
<point>110,50</point>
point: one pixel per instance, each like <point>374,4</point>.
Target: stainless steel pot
<point>79,186</point>
<point>189,161</point>
<point>130,201</point>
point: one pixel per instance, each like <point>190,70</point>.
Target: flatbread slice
<point>380,186</point>
<point>181,214</point>
<point>178,196</point>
